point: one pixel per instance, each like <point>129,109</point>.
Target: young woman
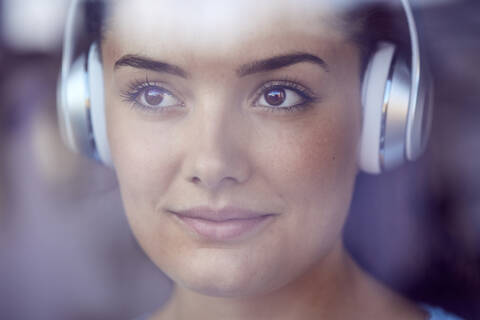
<point>234,130</point>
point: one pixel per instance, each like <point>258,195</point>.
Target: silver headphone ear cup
<point>396,107</point>
<point>97,109</point>
<point>401,132</point>
<point>373,99</point>
<point>64,124</point>
<point>73,108</point>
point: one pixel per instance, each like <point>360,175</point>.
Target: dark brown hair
<point>375,23</point>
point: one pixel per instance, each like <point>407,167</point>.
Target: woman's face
<point>249,109</point>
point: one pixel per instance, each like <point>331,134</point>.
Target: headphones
<point>396,99</point>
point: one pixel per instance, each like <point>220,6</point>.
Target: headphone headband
<point>421,92</point>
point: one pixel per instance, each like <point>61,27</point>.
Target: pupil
<point>153,96</point>
<point>275,97</point>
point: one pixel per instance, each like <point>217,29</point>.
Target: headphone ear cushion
<point>72,106</point>
<point>97,101</point>
<point>373,96</point>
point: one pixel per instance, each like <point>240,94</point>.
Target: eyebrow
<point>279,62</point>
<point>269,64</point>
<point>140,62</point>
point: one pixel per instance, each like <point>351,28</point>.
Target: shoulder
<point>439,314</point>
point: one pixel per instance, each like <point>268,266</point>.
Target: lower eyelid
<point>288,110</point>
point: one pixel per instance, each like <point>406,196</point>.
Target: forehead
<point>221,26</point>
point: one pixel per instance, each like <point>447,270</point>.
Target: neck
<point>319,292</point>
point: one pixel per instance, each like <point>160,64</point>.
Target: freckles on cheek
<point>320,161</point>
<point>319,171</point>
<point>145,171</point>
<point>311,156</point>
<point>144,166</point>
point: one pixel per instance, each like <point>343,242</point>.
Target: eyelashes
<point>273,96</point>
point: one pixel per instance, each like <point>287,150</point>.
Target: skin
<point>216,146</point>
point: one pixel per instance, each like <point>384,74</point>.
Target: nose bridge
<point>217,154</point>
<point>211,126</point>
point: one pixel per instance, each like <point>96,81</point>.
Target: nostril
<point>211,183</point>
<point>195,180</point>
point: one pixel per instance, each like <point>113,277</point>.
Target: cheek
<point>144,164</point>
<point>314,161</point>
<point>315,158</point>
<point>313,168</point>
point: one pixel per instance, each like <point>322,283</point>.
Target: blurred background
<point>66,251</point>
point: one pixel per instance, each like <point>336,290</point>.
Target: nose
<point>217,149</point>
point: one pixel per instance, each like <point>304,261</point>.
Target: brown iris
<point>275,96</point>
<point>154,96</point>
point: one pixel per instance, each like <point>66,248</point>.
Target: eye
<point>150,96</point>
<point>283,96</point>
<point>155,97</point>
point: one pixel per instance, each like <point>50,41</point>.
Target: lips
<point>229,223</point>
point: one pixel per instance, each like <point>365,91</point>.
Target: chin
<point>228,288</point>
<point>220,290</point>
<point>223,276</point>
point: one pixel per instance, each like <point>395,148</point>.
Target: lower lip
<point>225,230</point>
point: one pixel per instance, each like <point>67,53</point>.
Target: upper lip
<point>218,215</point>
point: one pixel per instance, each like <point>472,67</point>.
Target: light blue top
<point>439,314</point>
<point>435,314</point>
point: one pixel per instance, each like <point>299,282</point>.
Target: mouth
<point>223,225</point>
